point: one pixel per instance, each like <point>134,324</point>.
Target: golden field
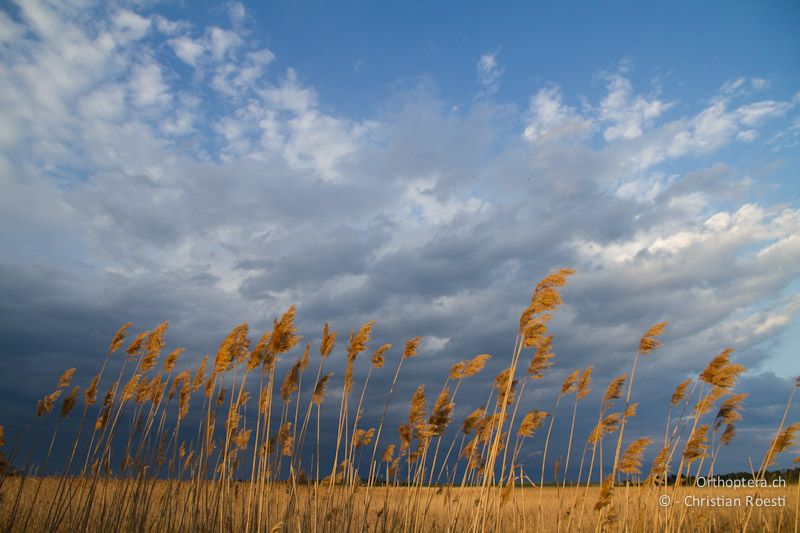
<point>382,509</point>
<point>229,445</point>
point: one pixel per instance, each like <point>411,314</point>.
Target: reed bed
<point>231,445</point>
<point>447,510</point>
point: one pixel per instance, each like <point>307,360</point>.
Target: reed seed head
<point>424,432</point>
<point>358,341</point>
<point>69,402</point>
<point>531,422</point>
<point>286,439</point>
<point>728,434</point>
<point>720,372</point>
<point>707,402</point>
<point>66,378</point>
<point>131,387</point>
<point>557,278</point>
<point>328,342</point>
<point>411,347</point>
<point>476,364</point>
<point>233,348</point>
<point>680,392</point>
<point>472,421</point>
<point>304,359</point>
<point>534,329</point>
<point>119,337</point>
<point>394,466</point>
<point>542,358</point>
<point>457,370</point>
<point>659,470</point>
<point>142,390</point>
<point>505,495</point>
<point>171,359</point>
<point>405,436</point>
<point>319,390</point>
<point>363,437</point>
<point>284,334</point>
<point>416,414</point>
<point>570,383</point>
<point>650,341</point>
<point>442,412</point>
<point>136,344</point>
<point>609,424</point>
<point>784,440</point>
<point>242,438</point>
<point>90,396</point>
<point>606,492</point>
<point>697,445</point>
<point>155,343</point>
<point>183,400</point>
<point>45,405</point>
<point>388,453</point>
<point>730,411</point>
<point>505,387</point>
<point>584,382</point>
<point>545,298</point>
<point>291,382</point>
<point>614,390</point>
<point>377,358</point>
<point>199,375</point>
<point>258,354</point>
<point>108,399</point>
<point>179,380</point>
<point>631,461</point>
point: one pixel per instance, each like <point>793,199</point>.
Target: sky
<point>420,165</point>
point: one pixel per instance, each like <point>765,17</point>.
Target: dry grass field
<point>231,446</point>
<point>428,509</point>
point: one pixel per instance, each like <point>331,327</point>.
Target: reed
<point>236,441</point>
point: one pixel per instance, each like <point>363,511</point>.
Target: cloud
<point>147,85</point>
<point>130,26</point>
<point>187,50</point>
<point>711,129</point>
<point>631,129</point>
<point>222,41</point>
<point>743,85</point>
<point>550,119</point>
<point>218,44</point>
<point>489,73</point>
<point>629,115</point>
<point>9,30</point>
<point>133,190</point>
<point>236,12</point>
<point>718,125</point>
<point>755,113</point>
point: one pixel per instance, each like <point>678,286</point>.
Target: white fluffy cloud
<point>236,12</point>
<point>550,119</point>
<point>187,50</point>
<point>147,85</point>
<point>628,114</point>
<point>489,73</point>
<point>129,25</point>
<point>630,126</point>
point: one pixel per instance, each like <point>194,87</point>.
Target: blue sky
<point>210,163</point>
<point>342,45</point>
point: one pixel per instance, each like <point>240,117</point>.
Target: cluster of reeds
<point>232,445</point>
